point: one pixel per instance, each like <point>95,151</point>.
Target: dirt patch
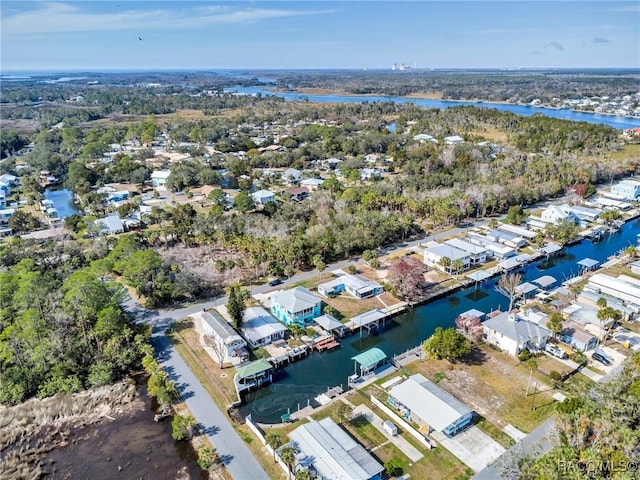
<point>22,126</point>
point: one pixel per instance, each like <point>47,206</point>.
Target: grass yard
<point>494,385</point>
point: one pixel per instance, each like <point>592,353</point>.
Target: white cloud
<point>64,18</point>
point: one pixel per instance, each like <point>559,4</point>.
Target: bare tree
<point>217,345</point>
<point>508,286</point>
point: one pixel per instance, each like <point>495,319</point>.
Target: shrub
<point>524,355</point>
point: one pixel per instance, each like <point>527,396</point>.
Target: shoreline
<point>436,96</point>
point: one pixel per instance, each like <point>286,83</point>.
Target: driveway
<point>623,335</point>
<point>473,447</point>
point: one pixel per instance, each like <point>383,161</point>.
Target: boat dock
<point>325,343</point>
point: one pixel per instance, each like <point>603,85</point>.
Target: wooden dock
<point>325,343</point>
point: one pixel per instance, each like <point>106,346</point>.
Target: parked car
<point>602,358</point>
<point>274,282</point>
<point>555,350</point>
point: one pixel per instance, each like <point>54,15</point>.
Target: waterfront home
<point>262,197</point>
<point>477,254</point>
<point>159,178</point>
<point>297,305</point>
<point>556,214</point>
<point>506,238</point>
<point>519,231</point>
<point>329,452</point>
<point>433,256</point>
<point>622,287</point>
<point>512,334</point>
<point>628,190</point>
<point>110,224</point>
<point>221,334</point>
<point>291,176</point>
<point>424,403</point>
<point>494,249</point>
<point>259,327</point>
<point>356,285</point>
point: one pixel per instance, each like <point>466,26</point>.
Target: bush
<point>556,377</point>
<point>524,355</point>
<point>578,357</point>
<point>182,426</point>
<point>208,458</point>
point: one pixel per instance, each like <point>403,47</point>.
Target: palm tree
<point>604,314</point>
<point>457,266</point>
<point>555,323</point>
<point>288,455</point>
<point>274,440</point>
<point>302,474</point>
<point>445,262</point>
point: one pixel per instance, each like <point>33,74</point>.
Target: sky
<point>180,35</point>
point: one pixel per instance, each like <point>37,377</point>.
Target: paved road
<point>239,460</point>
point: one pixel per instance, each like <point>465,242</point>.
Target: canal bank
<point>298,384</point>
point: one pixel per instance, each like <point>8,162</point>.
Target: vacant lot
<point>493,384</point>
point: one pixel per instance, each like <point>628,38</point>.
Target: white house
<point>477,254</point>
<point>513,334</point>
<point>425,403</point>
<point>554,214</point>
<point>453,140</point>
<point>262,197</point>
<point>356,285</point>
<point>159,178</point>
<point>291,176</point>
<point>223,335</point>
<point>627,190</point>
<point>312,183</point>
<point>423,137</point>
<point>369,174</point>
<point>324,447</point>
<point>3,199</point>
<point>110,224</point>
<point>433,257</point>
<point>259,327</point>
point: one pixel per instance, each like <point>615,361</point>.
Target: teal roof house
<point>297,305</point>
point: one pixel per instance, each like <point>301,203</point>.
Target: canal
<point>300,382</point>
<point>63,201</point>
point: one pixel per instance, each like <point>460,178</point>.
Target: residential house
<point>291,176</point>
<point>329,452</point>
<point>477,254</point>
<point>259,327</point>
<point>513,334</point>
<point>356,285</point>
<point>262,197</point>
<point>297,305</point>
<point>423,137</point>
<point>628,190</point>
<point>555,215</point>
<point>622,287</point>
<point>223,335</point>
<point>519,231</point>
<point>423,402</point>
<point>433,257</point>
<point>453,140</point>
<point>312,183</point>
<point>159,178</point>
<point>298,194</point>
<point>110,224</point>
<point>494,249</point>
<point>3,200</point>
<point>5,214</point>
<point>370,174</point>
<point>572,334</point>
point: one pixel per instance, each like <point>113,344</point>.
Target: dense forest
<point>62,326</point>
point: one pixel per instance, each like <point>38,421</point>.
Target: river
<point>564,113</point>
<point>300,382</point>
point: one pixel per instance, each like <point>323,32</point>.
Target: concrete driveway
<point>623,335</point>
<point>473,447</point>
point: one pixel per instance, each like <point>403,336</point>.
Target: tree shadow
<point>226,459</point>
<point>181,326</point>
<point>475,357</point>
<point>210,431</point>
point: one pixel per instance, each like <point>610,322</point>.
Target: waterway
<point>300,382</point>
<point>564,114</point>
<point>62,201</point>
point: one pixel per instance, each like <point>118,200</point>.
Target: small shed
<point>390,428</point>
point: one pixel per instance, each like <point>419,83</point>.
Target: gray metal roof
<point>333,453</point>
<point>436,407</point>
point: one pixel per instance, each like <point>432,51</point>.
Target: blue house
<point>297,306</point>
<point>356,285</point>
<point>577,338</point>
